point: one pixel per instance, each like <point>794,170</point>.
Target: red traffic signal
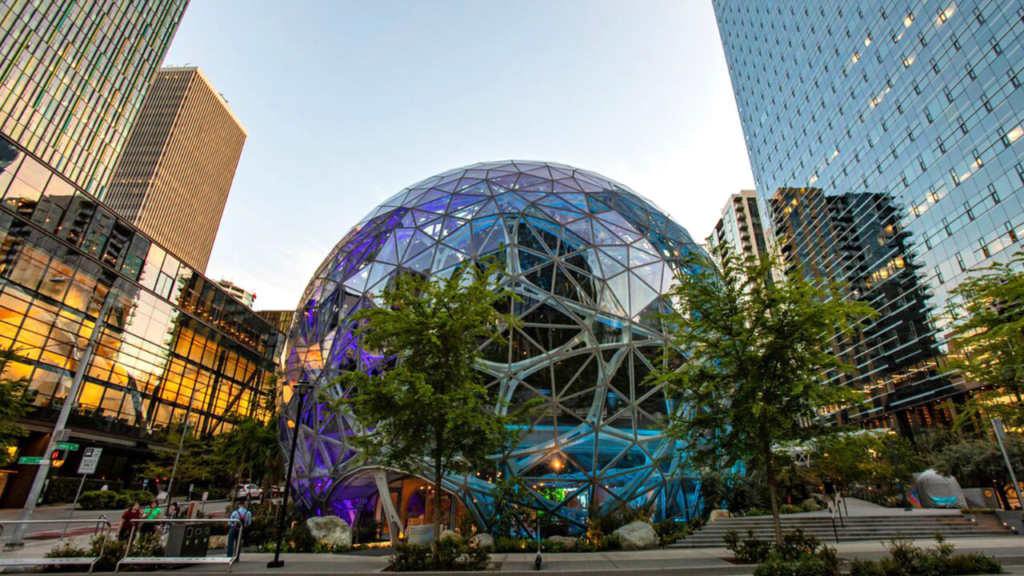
<point>57,457</point>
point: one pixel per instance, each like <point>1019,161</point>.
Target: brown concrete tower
<point>175,173</point>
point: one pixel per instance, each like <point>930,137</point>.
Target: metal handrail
<point>229,560</point>
<point>32,561</point>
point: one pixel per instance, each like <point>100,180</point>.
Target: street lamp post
<point>302,388</point>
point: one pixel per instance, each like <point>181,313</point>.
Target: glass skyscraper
<point>73,75</point>
<point>174,345</point>
<point>885,141</point>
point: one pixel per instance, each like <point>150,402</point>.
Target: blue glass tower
<point>885,140</point>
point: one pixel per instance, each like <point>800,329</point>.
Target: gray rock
<point>566,541</point>
<point>330,530</point>
<point>482,540</point>
<point>637,536</point>
<point>450,535</point>
<point>718,515</point>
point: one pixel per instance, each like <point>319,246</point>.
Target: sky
<point>348,102</point>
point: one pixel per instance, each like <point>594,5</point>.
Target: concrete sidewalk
<point>691,562</point>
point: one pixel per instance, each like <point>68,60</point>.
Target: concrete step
<point>857,528</point>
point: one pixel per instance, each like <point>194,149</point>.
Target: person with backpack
<point>244,518</point>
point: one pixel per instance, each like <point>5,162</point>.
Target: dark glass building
<point>73,76</point>
<point>173,346</point>
<point>894,129</point>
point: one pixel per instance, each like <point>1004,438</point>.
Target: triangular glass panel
<point>640,295</point>
<point>609,303</point>
<point>511,202</point>
<point>603,235</point>
<point>651,274</point>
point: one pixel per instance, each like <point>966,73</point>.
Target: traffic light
<point>57,457</point>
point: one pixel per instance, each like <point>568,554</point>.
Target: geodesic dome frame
<point>590,260</point>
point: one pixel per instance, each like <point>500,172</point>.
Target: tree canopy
<point>755,348</point>
<point>989,336</point>
<point>13,405</point>
<point>430,412</point>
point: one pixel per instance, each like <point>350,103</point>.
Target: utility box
<point>188,539</point>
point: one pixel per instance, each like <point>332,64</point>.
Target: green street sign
<point>30,460</point>
<point>69,446</point>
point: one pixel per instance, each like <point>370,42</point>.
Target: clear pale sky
<point>348,102</point>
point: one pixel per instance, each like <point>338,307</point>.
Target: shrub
<point>299,538</point>
<point>449,555</point>
<point>865,568</point>
<point>510,544</point>
<point>977,511</point>
<point>62,489</point>
<point>609,542</point>
<point>670,531</point>
<point>553,547</point>
<point>110,550</point>
<point>906,559</point>
<point>795,547</point>
<point>749,550</point>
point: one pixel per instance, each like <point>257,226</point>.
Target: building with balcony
<point>174,345</point>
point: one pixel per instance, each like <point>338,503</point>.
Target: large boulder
<point>567,542</point>
<point>482,540</point>
<point>451,535</point>
<point>718,515</point>
<point>637,536</point>
<point>330,530</point>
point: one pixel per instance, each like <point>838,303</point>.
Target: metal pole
<point>277,562</point>
<point>181,443</point>
<point>997,427</point>
<point>65,412</point>
<point>73,504</point>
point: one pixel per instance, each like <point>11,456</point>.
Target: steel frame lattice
<point>590,260</point>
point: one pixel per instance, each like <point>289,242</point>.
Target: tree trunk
<point>437,498</point>
<point>773,493</point>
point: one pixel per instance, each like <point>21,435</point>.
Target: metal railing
<point>835,509</point>
<point>169,560</point>
<point>101,524</point>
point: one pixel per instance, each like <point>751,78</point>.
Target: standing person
<point>133,513</point>
<point>244,518</point>
<point>830,491</point>
<point>152,512</point>
<point>173,512</point>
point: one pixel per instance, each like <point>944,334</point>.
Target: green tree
<point>756,349</point>
<point>989,336</point>
<point>430,412</point>
<point>194,464</point>
<point>13,405</point>
<point>866,457</point>
<point>979,462</point>
<point>251,450</point>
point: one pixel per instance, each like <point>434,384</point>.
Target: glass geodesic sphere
<point>590,260</point>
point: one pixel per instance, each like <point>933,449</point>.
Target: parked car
<point>248,491</point>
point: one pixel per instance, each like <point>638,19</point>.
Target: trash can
<point>188,539</point>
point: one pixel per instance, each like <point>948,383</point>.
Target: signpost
<point>90,461</point>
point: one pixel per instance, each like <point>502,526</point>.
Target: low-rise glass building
<point>173,346</point>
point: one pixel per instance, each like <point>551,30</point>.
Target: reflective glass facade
<point>903,117</point>
<point>590,260</point>
<point>73,74</point>
<point>172,339</point>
